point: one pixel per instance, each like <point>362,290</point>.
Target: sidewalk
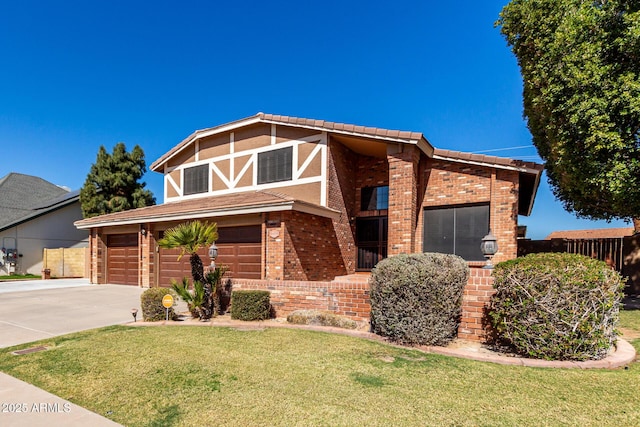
<point>26,405</point>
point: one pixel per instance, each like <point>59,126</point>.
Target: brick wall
<point>450,184</point>
<point>311,248</point>
<point>346,299</point>
<point>98,252</point>
<point>351,299</point>
<point>476,297</point>
<point>341,196</point>
<point>403,179</point>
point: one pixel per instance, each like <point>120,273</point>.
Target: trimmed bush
<point>417,298</point>
<point>321,318</point>
<point>556,306</point>
<point>152,308</point>
<point>250,305</point>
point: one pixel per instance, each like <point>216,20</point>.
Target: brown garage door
<point>239,248</point>
<point>122,259</point>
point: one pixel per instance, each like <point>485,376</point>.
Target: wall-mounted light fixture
<point>143,230</point>
<point>213,251</point>
<point>489,247</point>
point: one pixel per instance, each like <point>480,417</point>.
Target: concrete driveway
<point>39,309</point>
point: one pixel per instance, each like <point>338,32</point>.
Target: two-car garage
<point>239,249</point>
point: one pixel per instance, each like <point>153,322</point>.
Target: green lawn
<point>204,376</point>
<point>20,277</point>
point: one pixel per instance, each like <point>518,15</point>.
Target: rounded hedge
<point>151,303</point>
<point>417,298</point>
<point>556,306</point>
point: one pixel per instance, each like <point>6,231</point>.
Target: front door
<point>371,235</point>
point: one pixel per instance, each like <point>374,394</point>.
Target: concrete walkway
<point>27,405</point>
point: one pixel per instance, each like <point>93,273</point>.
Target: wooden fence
<point>65,262</point>
<point>623,253</point>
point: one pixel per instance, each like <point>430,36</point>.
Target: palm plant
<point>194,298</point>
<point>190,237</point>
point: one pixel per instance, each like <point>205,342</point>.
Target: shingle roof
<point>600,233</point>
<point>488,160</point>
<point>213,206</point>
<point>25,196</point>
<point>320,125</point>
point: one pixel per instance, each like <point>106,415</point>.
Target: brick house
<point>301,200</point>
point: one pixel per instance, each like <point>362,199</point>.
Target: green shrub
<point>556,306</point>
<point>152,308</point>
<point>250,305</point>
<point>321,318</point>
<point>417,298</point>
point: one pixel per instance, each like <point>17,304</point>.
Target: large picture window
<point>196,180</point>
<point>374,198</point>
<point>456,230</point>
<point>275,165</point>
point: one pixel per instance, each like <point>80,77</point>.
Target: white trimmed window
<point>275,165</point>
<point>196,180</point>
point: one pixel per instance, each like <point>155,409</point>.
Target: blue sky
<point>75,75</point>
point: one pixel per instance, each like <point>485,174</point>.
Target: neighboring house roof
<point>601,233</point>
<point>215,206</point>
<point>406,137</point>
<point>24,197</point>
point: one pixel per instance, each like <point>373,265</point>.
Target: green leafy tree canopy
<point>580,64</point>
<point>112,184</point>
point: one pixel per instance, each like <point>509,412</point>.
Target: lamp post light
<point>134,313</point>
<point>489,247</point>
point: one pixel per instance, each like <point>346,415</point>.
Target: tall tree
<point>580,64</point>
<point>190,237</point>
<point>112,184</point>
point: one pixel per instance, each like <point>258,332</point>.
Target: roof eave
<point>157,166</point>
<point>289,205</point>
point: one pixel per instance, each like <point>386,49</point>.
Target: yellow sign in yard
<point>167,301</point>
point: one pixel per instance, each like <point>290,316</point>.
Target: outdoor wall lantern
<point>213,254</point>
<point>213,251</point>
<point>489,247</point>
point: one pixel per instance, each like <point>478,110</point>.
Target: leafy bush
<point>417,298</point>
<point>152,308</point>
<point>250,305</point>
<point>556,306</point>
<point>321,318</point>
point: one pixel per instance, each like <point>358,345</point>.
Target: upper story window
<point>374,198</point>
<point>456,230</point>
<point>196,180</point>
<point>275,165</point>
